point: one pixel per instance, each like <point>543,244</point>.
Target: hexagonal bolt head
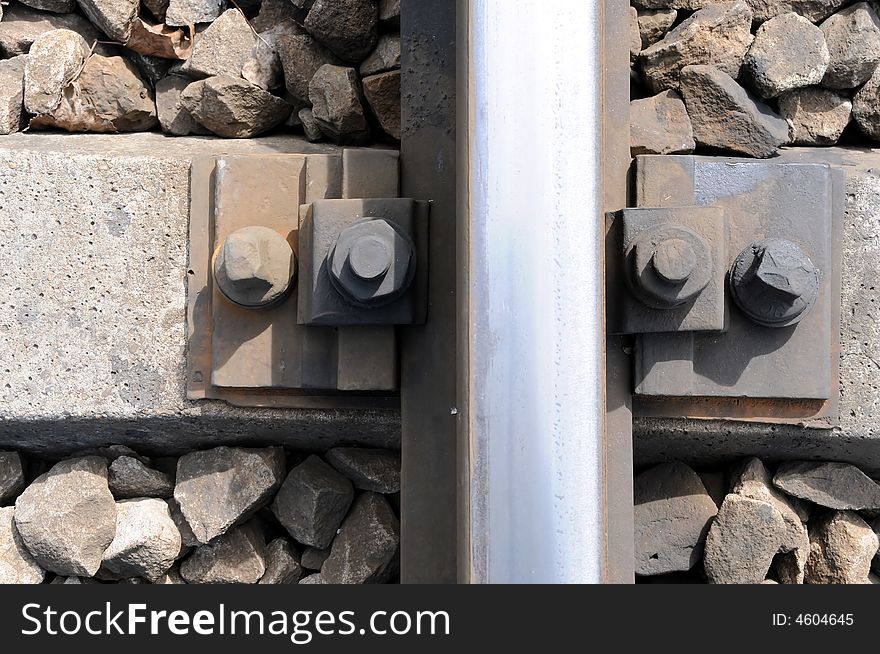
<point>774,282</point>
<point>674,260</point>
<point>255,267</point>
<point>670,265</point>
<point>372,263</point>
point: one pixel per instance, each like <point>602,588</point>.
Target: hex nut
<point>255,267</point>
<point>774,282</point>
<point>372,263</point>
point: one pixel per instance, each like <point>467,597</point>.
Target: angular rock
<point>654,24</point>
<point>751,479</point>
<point>55,6</point>
<point>129,479</point>
<point>313,558</point>
<point>635,36</point>
<point>842,548</point>
<point>833,485</point>
<point>108,96</point>
<point>233,107</point>
<point>263,67</point>
<point>866,107</point>
<point>724,115</point>
<point>742,541</point>
<point>282,563</point>
<point>181,13</point>
<point>853,38</point>
<point>56,58</point>
<point>350,28</point>
<point>223,48</point>
<point>67,517</point>
<point>17,566</point>
<point>312,579</point>
<point>672,515</point>
<point>237,557</point>
<point>367,468</point>
<point>113,17</point>
<point>220,488</point>
<point>147,541</point>
<point>187,537</point>
<point>788,52</point>
<point>366,549</point>
<point>389,11</point>
<point>274,13</point>
<point>301,57</point>
<point>660,125</point>
<point>11,464</point>
<point>385,57</point>
<point>383,95</point>
<point>22,25</point>
<point>173,116</point>
<point>813,10</point>
<point>336,104</point>
<point>719,35</point>
<point>310,126</point>
<point>816,116</point>
<point>312,502</point>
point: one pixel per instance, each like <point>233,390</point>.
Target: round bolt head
<point>372,263</point>
<point>674,260</point>
<point>774,282</point>
<point>254,267</point>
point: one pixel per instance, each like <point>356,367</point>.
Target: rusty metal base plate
<point>265,358</point>
<point>749,372</point>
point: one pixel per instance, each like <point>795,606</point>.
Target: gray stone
<point>301,57</point>
<point>813,10</point>
<point>724,115</point>
<point>368,469</point>
<point>17,566</point>
<point>672,515</point>
<point>187,537</point>
<point>274,13</point>
<point>56,58</point>
<point>312,579</point>
<point>742,541</point>
<point>654,24</point>
<point>367,547</point>
<point>170,578</point>
<point>866,107</point>
<point>129,479</point>
<point>312,502</point>
<point>181,13</point>
<point>833,485</point>
<point>109,95</point>
<point>635,36</point>
<point>220,488</point>
<point>310,126</point>
<point>263,67</point>
<point>313,558</point>
<point>719,35</point>
<point>853,38</point>
<point>22,25</point>
<point>11,469</point>
<point>383,95</point>
<point>223,48</point>
<point>348,27</point>
<point>385,57</point>
<point>842,548</point>
<point>56,6</point>
<point>113,17</point>
<point>237,557</point>
<point>815,116</point>
<point>147,541</point>
<point>660,125</point>
<point>389,11</point>
<point>233,107</point>
<point>282,563</point>
<point>788,52</point>
<point>173,116</point>
<point>67,517</point>
<point>751,479</point>
<point>336,104</point>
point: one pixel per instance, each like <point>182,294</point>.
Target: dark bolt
<point>674,260</point>
<point>774,282</point>
<point>372,263</point>
<point>254,267</point>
